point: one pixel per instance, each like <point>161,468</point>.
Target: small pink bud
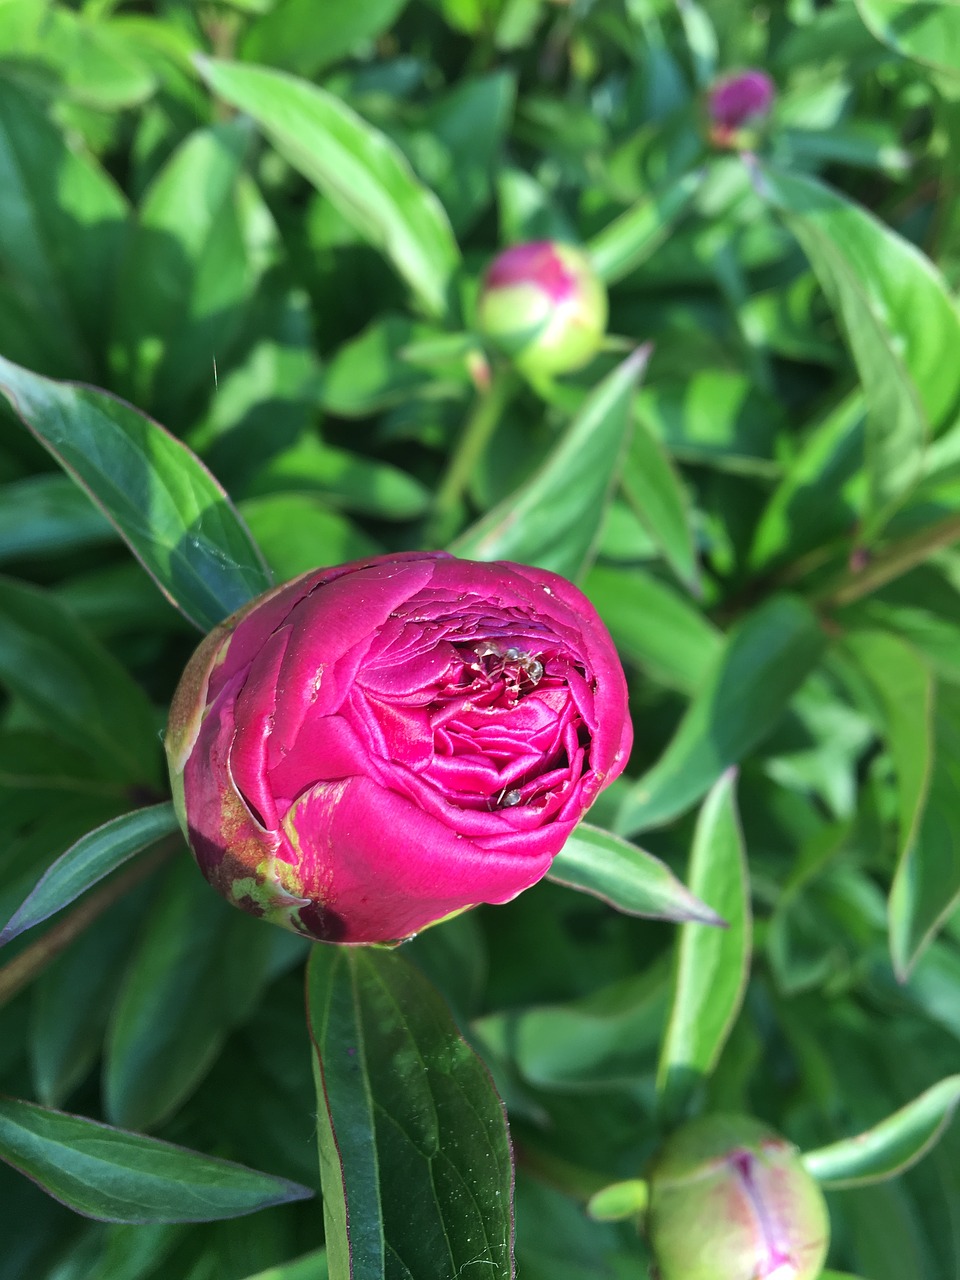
<point>543,305</point>
<point>738,101</point>
<point>731,1200</point>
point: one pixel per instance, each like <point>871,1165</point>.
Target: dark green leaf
<point>414,1155</point>
<point>197,973</point>
<point>554,519</point>
<point>357,168</point>
<point>712,965</point>
<point>88,861</point>
<point>48,515</point>
<point>890,1146</point>
<point>765,660</point>
<point>312,1266</point>
<point>59,242</point>
<point>166,505</point>
<point>625,876</point>
<point>76,687</point>
<point>656,493</point>
<point>118,1176</point>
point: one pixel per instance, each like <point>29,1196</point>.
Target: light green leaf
<point>88,861</point>
<point>554,519</point>
<point>166,505</point>
<point>312,1266</point>
<point>712,965</point>
<point>298,532</point>
<point>625,876</point>
<point>655,626</point>
<point>926,30</point>
<point>414,1155</point>
<point>900,322</point>
<point>290,35</point>
<point>765,660</point>
<point>619,1201</point>
<point>635,235</point>
<point>890,1146</point>
<point>356,167</point>
<point>202,242</point>
<point>118,1176</point>
<point>657,495</point>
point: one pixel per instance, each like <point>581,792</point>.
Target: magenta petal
<point>386,869</point>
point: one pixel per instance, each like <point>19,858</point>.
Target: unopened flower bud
<point>739,101</point>
<point>544,305</point>
<point>731,1200</point>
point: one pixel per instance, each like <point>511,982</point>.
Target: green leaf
<point>88,861</point>
<point>712,965</point>
<point>414,1154</point>
<point>203,240</point>
<point>625,876</point>
<point>928,32</point>
<point>76,686</point>
<point>926,887</point>
<point>631,238</point>
<point>554,519</point>
<point>654,626</point>
<point>312,1266</point>
<point>890,1146</point>
<point>765,660</point>
<point>900,322</point>
<point>291,37</point>
<point>169,509</point>
<point>904,689</point>
<point>47,515</point>
<point>60,235</point>
<point>656,493</point>
<point>198,972</point>
<point>356,167</point>
<point>118,1176</point>
<point>297,532</point>
<point>369,372</point>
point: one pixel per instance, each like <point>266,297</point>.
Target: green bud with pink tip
<point>544,306</point>
<point>731,1200</point>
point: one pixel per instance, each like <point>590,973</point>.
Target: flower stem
<point>476,435</point>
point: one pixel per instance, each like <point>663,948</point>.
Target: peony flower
<point>737,101</point>
<point>373,747</point>
<point>731,1200</point>
<point>543,304</point>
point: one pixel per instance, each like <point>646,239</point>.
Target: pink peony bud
<point>544,305</point>
<point>738,101</point>
<point>373,747</point>
<point>731,1200</point>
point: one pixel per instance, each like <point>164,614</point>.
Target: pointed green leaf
<point>357,168</point>
<point>554,519</point>
<point>118,1176</point>
<point>414,1154</point>
<point>764,662</point>
<point>657,495</point>
<point>290,36</point>
<point>74,685</point>
<point>890,1146</point>
<point>625,876</point>
<point>170,510</point>
<point>904,689</point>
<point>712,965</point>
<point>88,861</point>
<point>901,324</point>
<point>631,238</point>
